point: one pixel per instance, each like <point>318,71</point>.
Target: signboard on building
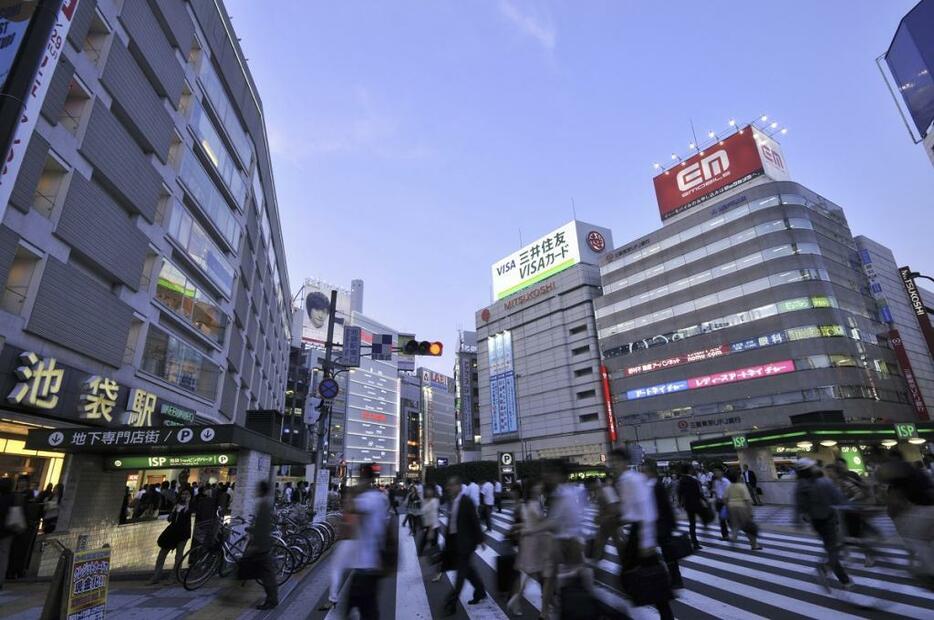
<point>87,585</point>
<point>608,404</point>
<point>350,353</point>
<point>914,390</point>
<point>169,461</point>
<point>502,384</point>
<point>317,307</point>
<point>434,379</point>
<point>720,378</point>
<point>573,243</point>
<point>745,155</point>
<point>119,438</point>
<point>465,397</point>
<point>14,22</point>
<point>918,307</point>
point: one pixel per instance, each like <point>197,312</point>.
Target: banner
<point>914,391</point>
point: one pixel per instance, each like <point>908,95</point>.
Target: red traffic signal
<point>424,347</point>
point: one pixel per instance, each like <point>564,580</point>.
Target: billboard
<point>720,378</point>
<point>575,242</point>
<point>436,380</point>
<point>719,168</point>
<point>502,384</point>
<point>917,306</point>
<point>316,303</point>
<point>914,390</point>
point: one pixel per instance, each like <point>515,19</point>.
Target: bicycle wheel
<point>325,534</point>
<point>315,542</point>
<point>304,545</point>
<point>332,532</point>
<point>283,562</point>
<point>200,571</point>
<point>231,555</point>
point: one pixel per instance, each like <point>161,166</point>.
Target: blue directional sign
<point>328,388</point>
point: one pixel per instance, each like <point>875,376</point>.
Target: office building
<point>439,445</point>
<point>748,309</point>
<point>910,63</point>
<point>410,435</point>
<point>538,364</point>
<point>141,256</point>
<point>467,396</point>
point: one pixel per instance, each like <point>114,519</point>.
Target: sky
<point>414,142</point>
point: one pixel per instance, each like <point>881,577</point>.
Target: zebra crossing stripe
<point>411,595</point>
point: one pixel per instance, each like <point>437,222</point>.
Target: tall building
<point>438,443</point>
<point>910,63</point>
<point>887,286</point>
<point>749,310</point>
<point>538,364</point>
<point>141,256</point>
<point>410,435</point>
<point>467,396</point>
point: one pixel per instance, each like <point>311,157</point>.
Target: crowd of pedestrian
<point>25,511</point>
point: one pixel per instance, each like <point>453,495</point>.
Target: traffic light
<point>424,347</point>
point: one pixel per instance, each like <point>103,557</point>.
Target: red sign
<point>732,376</point>
<point>716,169</point>
<point>913,389</point>
<point>677,360</point>
<point>917,305</point>
<point>608,404</point>
<point>373,417</point>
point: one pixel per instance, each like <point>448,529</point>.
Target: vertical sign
<point>350,355</point>
<point>608,404</point>
<point>466,399</point>
<point>87,584</point>
<point>322,481</point>
<point>502,384</point>
<point>35,97</point>
<point>914,390</point>
<point>917,306</point>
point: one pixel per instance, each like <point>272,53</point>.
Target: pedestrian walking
<point>394,502</point>
<point>498,495</point>
<point>344,548</point>
<point>535,548</point>
<point>462,538</point>
<point>204,509</point>
<point>739,507</point>
<point>752,485</point>
<point>858,529</point>
<point>815,500</point>
<point>372,510</point>
<point>413,509</point>
<point>12,523</point>
<point>607,501</point>
<point>719,486</point>
<point>691,497</point>
<point>259,549</point>
<point>429,518</point>
<point>50,508</point>
<point>666,524</point>
<point>910,504</point>
<point>175,536</point>
<point>488,500</point>
<point>473,490</point>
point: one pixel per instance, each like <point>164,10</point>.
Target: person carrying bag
<point>738,503</point>
<point>175,535</point>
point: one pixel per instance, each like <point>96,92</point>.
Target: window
<point>97,36</point>
<point>17,283</point>
<point>586,394</point>
<point>178,363</point>
<point>76,102</point>
<point>580,350</point>
<point>50,185</point>
<point>220,157</point>
<point>580,329</point>
<point>209,198</point>
<point>200,249</point>
<point>590,417</point>
<point>224,110</point>
<point>583,372</point>
<point>177,292</point>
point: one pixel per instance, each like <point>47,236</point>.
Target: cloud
<point>533,23</point>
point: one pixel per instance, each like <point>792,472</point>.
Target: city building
<point>439,445</point>
<point>410,436</point>
<point>749,310</point>
<point>144,280</point>
<point>467,396</point>
<point>538,364</point>
<point>910,76</point>
<point>906,326</point>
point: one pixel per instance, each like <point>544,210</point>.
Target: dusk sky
<point>412,141</point>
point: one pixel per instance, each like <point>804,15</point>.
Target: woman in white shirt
<point>430,522</point>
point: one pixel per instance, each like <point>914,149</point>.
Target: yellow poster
<point>87,585</point>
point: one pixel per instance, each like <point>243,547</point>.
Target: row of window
<point>719,271</point>
<point>716,222</point>
<point>735,292</point>
<point>178,293</point>
<point>177,362</point>
<point>225,111</point>
<point>793,223</point>
<point>265,230</point>
<point>730,320</point>
<point>200,248</point>
<point>220,157</point>
<point>212,202</point>
<point>827,392</point>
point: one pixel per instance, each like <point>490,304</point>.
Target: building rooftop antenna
<point>573,209</point>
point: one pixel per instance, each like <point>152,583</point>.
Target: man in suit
<point>461,540</point>
<point>692,499</point>
<point>749,477</point>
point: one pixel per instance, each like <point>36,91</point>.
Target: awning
<point>163,439</point>
<point>815,433</point>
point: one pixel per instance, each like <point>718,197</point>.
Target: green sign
<point>853,458</point>
<point>905,430</point>
<point>167,461</point>
<point>739,442</point>
<point>173,415</point>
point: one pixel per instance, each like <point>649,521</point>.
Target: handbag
<point>506,573</point>
<point>648,583</point>
<point>706,513</point>
<point>677,547</point>
<point>15,520</point>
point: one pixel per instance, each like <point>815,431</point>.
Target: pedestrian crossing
<point>723,580</point>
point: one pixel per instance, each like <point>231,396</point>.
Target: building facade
<point>141,253</point>
<point>410,435</point>
<point>438,430</point>
<point>467,396</point>
<point>538,362</point>
<point>895,310</point>
<point>749,311</point>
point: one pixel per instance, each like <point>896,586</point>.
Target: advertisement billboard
<point>745,155</point>
<point>502,384</point>
<point>575,242</point>
<point>315,318</point>
<point>917,306</point>
<point>914,390</point>
<point>720,378</point>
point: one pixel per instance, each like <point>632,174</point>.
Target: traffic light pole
<point>324,435</point>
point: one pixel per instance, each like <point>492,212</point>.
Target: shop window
<point>589,417</point>
<point>20,278</point>
<point>76,103</point>
<point>178,293</point>
<point>97,37</point>
<point>50,186</point>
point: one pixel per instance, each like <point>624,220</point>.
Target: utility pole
<point>325,417</point>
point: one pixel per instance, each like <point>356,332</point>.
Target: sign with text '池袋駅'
<point>167,461</point>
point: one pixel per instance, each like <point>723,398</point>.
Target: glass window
<point>800,222</point>
<point>199,247</point>
<point>178,363</point>
<point>220,157</point>
<point>178,293</point>
<point>770,227</point>
<point>212,202</point>
<point>215,92</point>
